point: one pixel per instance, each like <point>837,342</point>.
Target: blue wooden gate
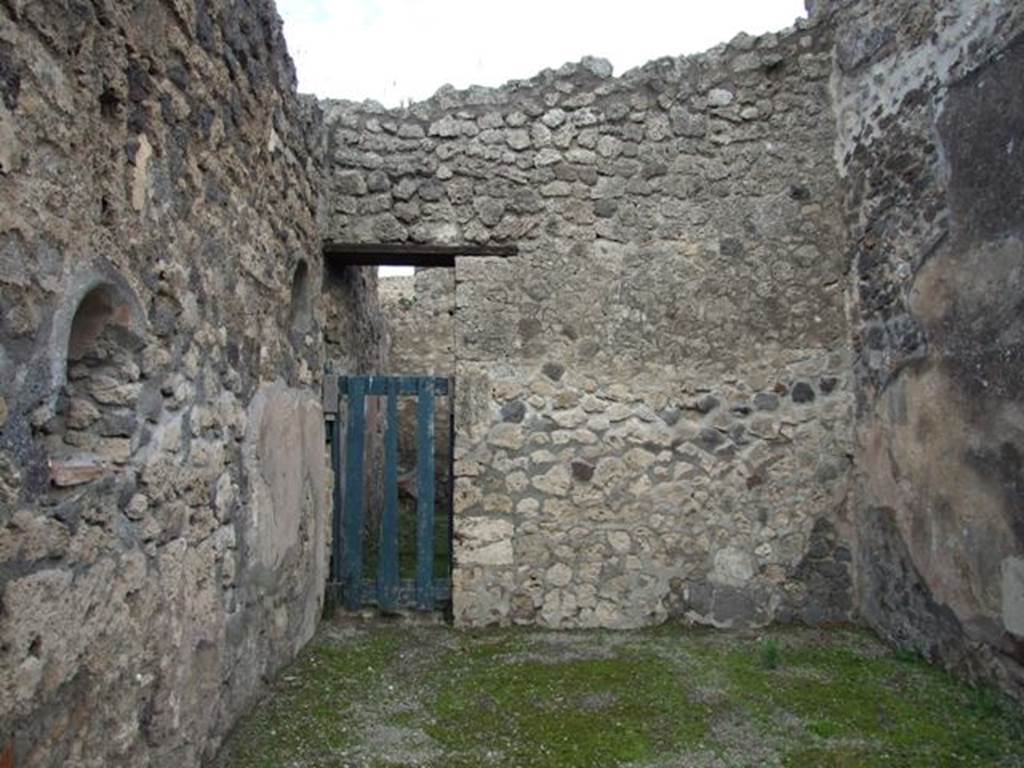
<point>386,586</point>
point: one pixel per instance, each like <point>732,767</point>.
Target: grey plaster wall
<point>162,492</point>
<point>930,120</point>
<point>655,406</point>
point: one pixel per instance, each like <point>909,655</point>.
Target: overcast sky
<point>397,50</point>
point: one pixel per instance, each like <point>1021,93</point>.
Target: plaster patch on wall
<point>284,437</point>
<point>140,181</point>
<point>733,567</point>
<point>10,147</point>
<point>1013,595</point>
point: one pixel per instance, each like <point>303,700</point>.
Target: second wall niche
<point>300,310</point>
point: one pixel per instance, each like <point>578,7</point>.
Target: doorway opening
<point>392,449</point>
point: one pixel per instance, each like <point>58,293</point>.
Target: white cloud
<point>395,50</point>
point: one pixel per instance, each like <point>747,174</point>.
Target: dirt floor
<point>382,695</point>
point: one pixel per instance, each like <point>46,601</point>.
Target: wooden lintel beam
<point>410,254</point>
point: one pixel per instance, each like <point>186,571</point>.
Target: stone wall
<point>162,488</point>
<point>930,144</point>
<point>420,313</point>
<point>654,397</point>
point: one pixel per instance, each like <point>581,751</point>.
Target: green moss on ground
<point>601,711</point>
<point>428,696</point>
<point>838,706</point>
<point>305,718</point>
<point>908,713</point>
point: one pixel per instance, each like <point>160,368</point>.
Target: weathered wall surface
<point>654,400</point>
<point>162,516</point>
<point>355,332</point>
<point>931,146</point>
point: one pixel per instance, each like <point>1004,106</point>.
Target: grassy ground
<point>407,553</point>
<point>403,695</point>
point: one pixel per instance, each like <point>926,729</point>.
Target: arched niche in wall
<point>95,349</point>
<point>300,310</point>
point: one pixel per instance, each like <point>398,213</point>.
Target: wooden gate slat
<point>354,450</point>
<point>336,517</point>
<point>387,567</point>
<point>450,511</point>
<point>425,495</point>
<point>407,385</point>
